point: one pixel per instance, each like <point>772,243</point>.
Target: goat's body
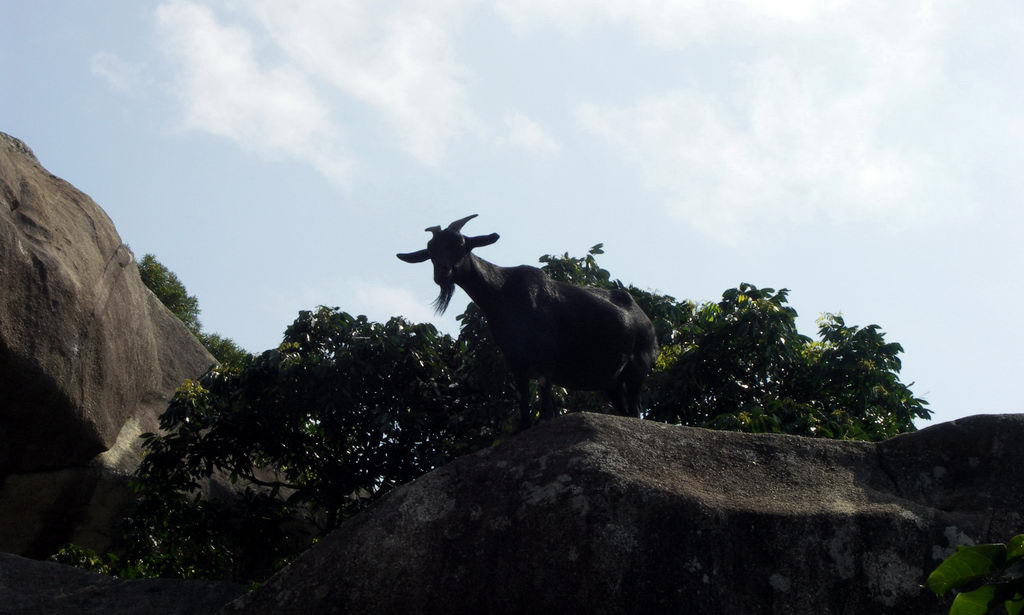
<point>553,332</point>
<point>560,334</point>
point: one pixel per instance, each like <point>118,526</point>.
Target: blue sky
<point>277,154</point>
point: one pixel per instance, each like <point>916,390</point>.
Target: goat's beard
<point>444,297</point>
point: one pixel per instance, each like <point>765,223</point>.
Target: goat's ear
<point>481,240</point>
<point>415,257</point>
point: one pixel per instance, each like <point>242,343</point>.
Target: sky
<point>276,154</point>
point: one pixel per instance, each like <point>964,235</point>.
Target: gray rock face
<point>88,356</point>
<point>29,587</point>
<point>603,514</point>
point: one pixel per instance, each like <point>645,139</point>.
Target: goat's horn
<point>458,224</point>
<point>433,229</point>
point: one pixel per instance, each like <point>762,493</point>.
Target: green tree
<point>224,349</point>
<point>741,364</point>
<point>172,293</point>
<point>343,411</point>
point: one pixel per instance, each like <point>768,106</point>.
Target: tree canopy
<point>169,289</point>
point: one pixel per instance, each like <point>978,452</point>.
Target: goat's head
<point>447,250</point>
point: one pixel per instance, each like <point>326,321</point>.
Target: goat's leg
<point>547,401</point>
<point>633,398</point>
<point>632,384</point>
<point>525,415</point>
<point>617,395</point>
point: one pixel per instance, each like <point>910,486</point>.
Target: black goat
<point>582,338</point>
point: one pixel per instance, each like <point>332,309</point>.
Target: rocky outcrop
<point>88,359</point>
<point>30,587</point>
<point>600,514</point>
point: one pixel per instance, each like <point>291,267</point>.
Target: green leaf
<point>976,602</point>
<point>966,565</point>
<point>1014,607</point>
<point>1015,548</point>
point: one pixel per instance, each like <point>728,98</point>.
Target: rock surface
<point>30,587</point>
<point>89,358</point>
<point>600,514</point>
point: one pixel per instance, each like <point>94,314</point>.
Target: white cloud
<point>666,23</point>
<point>724,177</point>
<point>804,128</point>
<point>525,133</point>
<point>794,125</point>
<point>122,77</point>
<point>397,57</point>
<point>226,92</point>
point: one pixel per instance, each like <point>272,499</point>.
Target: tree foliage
<point>346,409</point>
<point>169,289</point>
<point>224,349</point>
<point>343,411</point>
<point>989,578</point>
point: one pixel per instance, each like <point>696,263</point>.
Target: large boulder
<point>89,358</point>
<point>601,514</point>
<point>30,587</point>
